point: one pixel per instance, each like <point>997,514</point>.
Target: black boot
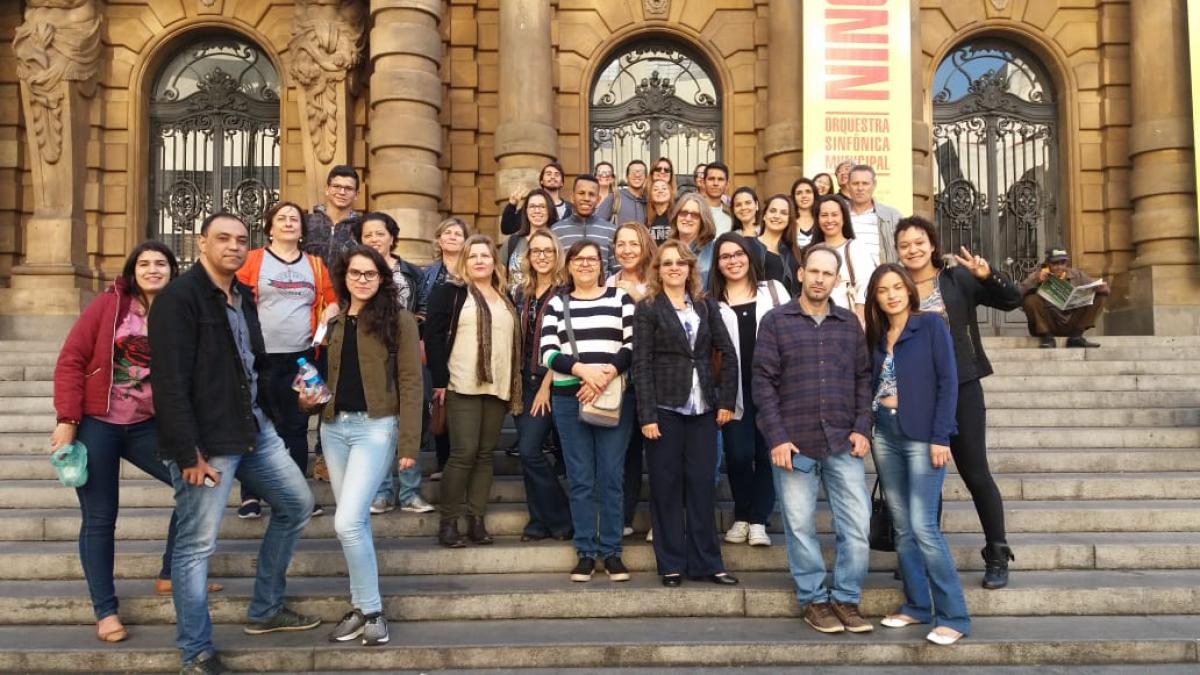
<point>995,559</point>
<point>448,535</point>
<point>476,532</point>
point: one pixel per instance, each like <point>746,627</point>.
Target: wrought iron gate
<point>655,99</point>
<point>214,141</point>
<point>996,142</point>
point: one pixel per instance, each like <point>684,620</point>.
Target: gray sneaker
<point>284,620</point>
<point>381,505</point>
<point>206,664</point>
<point>416,505</point>
<point>375,632</point>
<point>349,628</point>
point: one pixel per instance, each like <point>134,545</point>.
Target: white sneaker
<point>627,531</point>
<point>650,535</point>
<point>758,536</point>
<point>381,505</point>
<point>738,533</point>
<point>416,505</point>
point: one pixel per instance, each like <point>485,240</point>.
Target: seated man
<point>1047,321</point>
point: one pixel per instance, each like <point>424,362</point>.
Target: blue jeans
<point>399,487</point>
<point>290,423</point>
<point>358,451</point>
<point>932,589</point>
<point>748,463</point>
<point>595,458</point>
<point>270,472</point>
<point>100,498</point>
<point>846,487</point>
<point>549,513</point>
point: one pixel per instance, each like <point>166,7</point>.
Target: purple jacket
<point>812,384</point>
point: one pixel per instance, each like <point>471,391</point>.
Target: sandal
<point>116,634</point>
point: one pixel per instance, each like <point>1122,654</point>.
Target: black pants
<point>290,423</point>
<point>682,494</point>
<point>748,463</point>
<point>633,461</point>
<point>969,449</point>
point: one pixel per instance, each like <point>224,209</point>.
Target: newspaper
<point>1064,296</point>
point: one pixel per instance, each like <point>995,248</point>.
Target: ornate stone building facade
<point>1035,122</point>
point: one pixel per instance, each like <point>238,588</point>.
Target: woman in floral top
<point>102,398</point>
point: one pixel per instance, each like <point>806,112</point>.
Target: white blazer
<point>763,303</point>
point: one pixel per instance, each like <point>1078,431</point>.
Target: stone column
<point>1164,287</point>
<point>324,53</point>
<point>783,146</point>
<point>526,138</point>
<point>405,135</point>
<point>922,131</point>
<point>56,49</point>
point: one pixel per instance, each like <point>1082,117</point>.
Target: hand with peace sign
<point>975,264</point>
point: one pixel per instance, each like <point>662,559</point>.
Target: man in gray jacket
<point>583,223</point>
<point>874,223</point>
<point>629,202</point>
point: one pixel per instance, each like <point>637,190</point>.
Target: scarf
<point>483,336</point>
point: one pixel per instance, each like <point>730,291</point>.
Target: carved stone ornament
<point>1000,5</point>
<point>656,9</point>
<point>326,46</point>
<point>58,43</point>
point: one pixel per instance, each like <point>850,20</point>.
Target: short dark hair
<point>550,165</point>
<point>632,162</point>
<point>817,248</point>
<point>930,231</point>
<point>389,224</point>
<point>269,218</point>
<point>584,178</point>
<point>128,273</point>
<point>204,224</point>
<point>718,166</point>
<point>603,162</point>
<point>344,171</point>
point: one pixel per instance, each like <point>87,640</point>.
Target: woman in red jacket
<point>102,398</point>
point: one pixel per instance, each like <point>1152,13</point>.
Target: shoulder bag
<point>852,287</point>
<point>605,411</point>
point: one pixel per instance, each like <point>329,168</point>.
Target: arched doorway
<point>996,151</point>
<point>655,98</point>
<point>214,140</point>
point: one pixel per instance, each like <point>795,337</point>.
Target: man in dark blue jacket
<point>207,351</point>
<point>812,386</point>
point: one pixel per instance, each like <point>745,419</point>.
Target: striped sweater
<point>603,332</point>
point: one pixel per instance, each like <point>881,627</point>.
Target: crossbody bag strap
<point>567,324</point>
<point>850,264</point>
<point>774,294</point>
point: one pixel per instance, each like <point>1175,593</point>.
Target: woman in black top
<point>956,293</point>
<point>775,245</point>
<point>680,407</point>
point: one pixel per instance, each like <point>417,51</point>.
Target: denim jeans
<point>399,487</point>
<point>99,499</point>
<point>358,451</point>
<point>932,588</point>
<point>270,472</point>
<point>846,487</point>
<point>290,423</point>
<point>748,463</point>
<point>595,458</point>
<point>549,513</point>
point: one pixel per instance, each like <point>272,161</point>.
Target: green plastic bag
<point>70,463</point>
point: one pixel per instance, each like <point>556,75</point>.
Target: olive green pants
<point>474,424</point>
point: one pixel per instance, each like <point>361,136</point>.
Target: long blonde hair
<point>644,240</point>
<point>460,269</point>
<point>693,286</point>
<point>529,285</point>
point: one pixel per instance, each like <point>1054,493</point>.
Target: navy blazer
<point>926,378</point>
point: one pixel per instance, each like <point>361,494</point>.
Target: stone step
<point>1079,437</point>
<point>25,405</point>
<point>434,645</point>
<point>1068,400</point>
<point>27,358</point>
<point>51,346</point>
<point>475,597</point>
<point>1151,352</point>
<point>1092,417</point>
<point>45,388</point>
<point>1073,368</point>
<point>1024,342</point>
<point>1179,515</point>
<point>1048,385</point>
<point>1135,551</point>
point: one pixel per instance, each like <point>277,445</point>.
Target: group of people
<point>627,325</point>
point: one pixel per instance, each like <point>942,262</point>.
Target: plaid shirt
<point>812,383</point>
<point>324,238</point>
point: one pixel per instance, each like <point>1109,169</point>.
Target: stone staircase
<point>1096,452</point>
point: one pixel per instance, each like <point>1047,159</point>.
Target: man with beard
<point>207,353</point>
<point>812,386</point>
<point>627,203</point>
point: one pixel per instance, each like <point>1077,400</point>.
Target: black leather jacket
<point>201,391</point>
<point>962,293</point>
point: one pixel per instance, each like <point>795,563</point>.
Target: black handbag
<point>883,535</point>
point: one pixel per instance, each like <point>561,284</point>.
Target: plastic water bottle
<point>310,381</point>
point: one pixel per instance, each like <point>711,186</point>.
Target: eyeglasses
<point>674,263</point>
<point>726,257</point>
<point>541,253</point>
<point>689,214</point>
<point>343,188</point>
<point>536,206</point>
<point>362,275</point>
<point>586,260</point>
<point>604,174</point>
